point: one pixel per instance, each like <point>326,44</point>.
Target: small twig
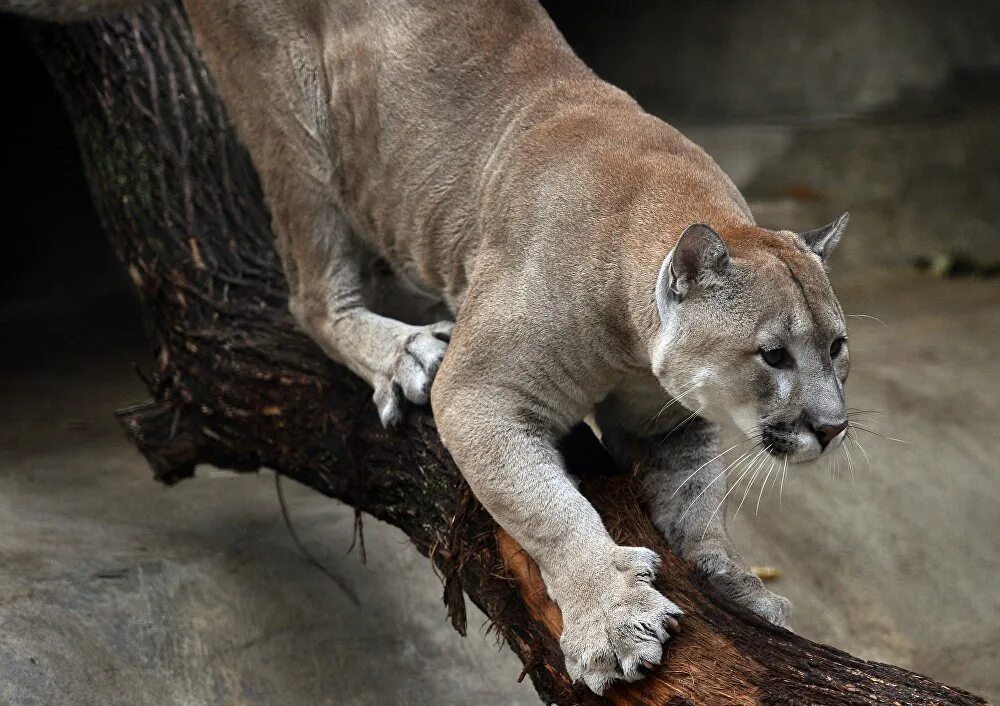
<point>359,536</point>
<point>146,380</point>
<point>341,584</point>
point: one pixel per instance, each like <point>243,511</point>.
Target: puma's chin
<point>810,450</point>
<point>805,456</point>
<point>797,455</point>
<point>798,446</point>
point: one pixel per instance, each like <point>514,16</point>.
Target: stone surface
<point>114,590</point>
<point>783,60</point>
<point>914,189</point>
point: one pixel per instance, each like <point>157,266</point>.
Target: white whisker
<point>866,316</point>
<point>875,433</point>
<point>781,490</point>
<point>733,487</point>
<point>774,481</point>
<point>686,420</point>
<point>685,481</point>
<point>764,485</point>
<point>669,403</point>
<point>858,410</point>
<point>858,444</point>
<point>750,485</point>
<point>850,462</point>
<point>705,489</point>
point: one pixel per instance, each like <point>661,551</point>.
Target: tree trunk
<point>237,385</point>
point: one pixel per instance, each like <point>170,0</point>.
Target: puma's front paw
<point>615,622</point>
<point>411,371</point>
<point>733,582</point>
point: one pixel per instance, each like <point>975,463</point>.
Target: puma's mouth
<point>799,445</point>
<point>780,440</point>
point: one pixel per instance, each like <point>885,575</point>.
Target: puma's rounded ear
<point>698,259</point>
<point>823,240</point>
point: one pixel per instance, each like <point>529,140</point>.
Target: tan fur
<point>464,143</point>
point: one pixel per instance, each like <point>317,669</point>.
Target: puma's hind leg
<point>397,359</point>
<point>687,490</point>
<point>280,102</point>
<point>684,478</point>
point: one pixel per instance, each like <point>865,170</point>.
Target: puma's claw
<point>412,372</point>
<point>616,629</point>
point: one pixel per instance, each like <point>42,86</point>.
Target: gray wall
<point>886,108</point>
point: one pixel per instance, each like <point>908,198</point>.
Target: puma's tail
<point>67,10</point>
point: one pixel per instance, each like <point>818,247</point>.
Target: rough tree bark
<point>235,384</point>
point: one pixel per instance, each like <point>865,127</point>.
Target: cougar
<point>594,261</point>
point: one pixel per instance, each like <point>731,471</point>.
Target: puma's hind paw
<point>732,582</point>
<point>411,372</point>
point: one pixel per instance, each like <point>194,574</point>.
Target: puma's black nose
<point>828,432</point>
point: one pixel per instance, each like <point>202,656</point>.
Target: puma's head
<point>751,329</point>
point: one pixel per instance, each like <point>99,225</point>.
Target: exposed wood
<point>235,384</point>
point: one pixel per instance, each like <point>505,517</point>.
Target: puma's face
<point>756,334</point>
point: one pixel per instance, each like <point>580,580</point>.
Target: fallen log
<point>235,384</point>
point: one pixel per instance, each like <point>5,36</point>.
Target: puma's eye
<point>837,346</point>
<point>776,357</point>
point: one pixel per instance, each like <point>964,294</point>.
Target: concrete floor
<point>114,590</point>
